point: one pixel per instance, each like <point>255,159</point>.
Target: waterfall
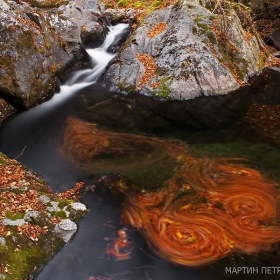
<point>83,78</point>
<point>99,57</point>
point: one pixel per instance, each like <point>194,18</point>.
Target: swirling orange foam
<point>208,210</point>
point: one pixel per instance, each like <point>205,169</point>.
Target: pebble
<point>78,206</point>
<point>65,229</point>
<point>67,224</point>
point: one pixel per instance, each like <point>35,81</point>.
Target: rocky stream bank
<point>34,222</point>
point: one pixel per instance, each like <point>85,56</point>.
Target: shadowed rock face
<point>37,49</point>
<point>194,55</point>
<point>276,39</point>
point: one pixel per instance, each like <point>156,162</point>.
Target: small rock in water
<point>276,54</point>
<point>78,206</point>
<point>67,225</point>
<point>65,229</point>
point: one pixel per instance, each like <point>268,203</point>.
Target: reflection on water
<point>85,256</point>
<point>87,147</point>
<point>208,210</point>
<point>223,134</point>
<point>264,120</point>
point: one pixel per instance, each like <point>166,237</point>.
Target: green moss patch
<point>14,216</point>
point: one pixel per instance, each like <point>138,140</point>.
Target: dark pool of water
<point>217,130</point>
<point>85,255</point>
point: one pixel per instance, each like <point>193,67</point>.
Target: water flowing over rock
<point>38,48</point>
<point>186,51</point>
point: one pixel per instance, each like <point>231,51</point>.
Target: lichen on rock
<point>188,53</point>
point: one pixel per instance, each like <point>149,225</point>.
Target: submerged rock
<point>186,51</point>
<point>65,229</point>
<point>67,225</point>
<point>37,48</point>
<point>78,206</point>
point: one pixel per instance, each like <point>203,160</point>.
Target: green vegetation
<point>64,202</point>
<point>2,162</point>
<point>123,3</point>
<point>75,215</point>
<point>163,87</point>
<point>140,5</point>
<point>59,214</point>
<point>14,216</point>
<point>126,88</point>
<point>204,25</point>
<point>23,258</point>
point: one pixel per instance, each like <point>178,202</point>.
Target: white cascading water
<point>81,79</point>
<point>99,56</point>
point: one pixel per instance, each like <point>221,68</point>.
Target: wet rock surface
<point>39,48</point>
<point>187,58</point>
<point>66,229</point>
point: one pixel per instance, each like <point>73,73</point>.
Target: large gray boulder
<point>186,51</point>
<point>37,47</point>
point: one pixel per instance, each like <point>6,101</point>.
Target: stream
<point>36,135</point>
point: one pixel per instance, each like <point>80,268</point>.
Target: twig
<point>219,5</point>
<point>20,153</point>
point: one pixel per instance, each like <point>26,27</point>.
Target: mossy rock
<point>47,3</point>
